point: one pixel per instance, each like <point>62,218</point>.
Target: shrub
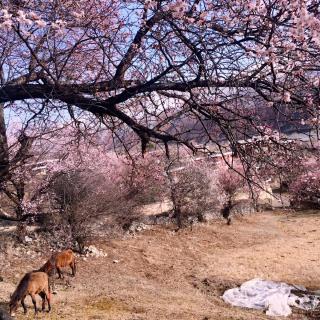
<point>193,191</point>
<point>305,190</point>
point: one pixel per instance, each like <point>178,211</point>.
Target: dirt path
<point>167,275</point>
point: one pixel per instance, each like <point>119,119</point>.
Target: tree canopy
<point>180,71</point>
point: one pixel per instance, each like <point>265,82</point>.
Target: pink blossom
<point>287,96</point>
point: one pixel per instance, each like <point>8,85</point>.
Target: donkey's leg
<point>59,273</point>
<point>48,296</point>
<point>25,310</point>
<point>73,268</point>
<point>52,285</point>
<point>33,297</point>
<point>43,297</point>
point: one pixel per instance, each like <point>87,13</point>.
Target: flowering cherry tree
<point>65,183</point>
<point>169,71</point>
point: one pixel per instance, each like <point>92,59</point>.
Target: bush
<point>230,180</point>
<point>80,199</point>
<point>193,191</point>
<point>305,190</point>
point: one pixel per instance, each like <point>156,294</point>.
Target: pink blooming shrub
<point>102,186</point>
<point>66,183</point>
<point>230,179</point>
<point>305,189</point>
<point>145,178</point>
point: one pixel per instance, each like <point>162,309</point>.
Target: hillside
<point>160,274</point>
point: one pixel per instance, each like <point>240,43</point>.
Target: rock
<point>95,252</point>
<point>243,207</point>
<point>115,261</point>
<point>192,220</point>
<point>1,279</point>
<point>137,227</point>
<point>208,216</point>
<point>28,239</point>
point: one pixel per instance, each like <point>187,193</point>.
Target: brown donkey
<point>32,283</point>
<point>58,261</point>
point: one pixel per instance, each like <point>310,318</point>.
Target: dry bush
<point>194,191</point>
<point>80,200</point>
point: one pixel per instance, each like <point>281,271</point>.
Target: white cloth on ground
<point>276,298</point>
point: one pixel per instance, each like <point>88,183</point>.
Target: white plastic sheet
<point>276,298</point>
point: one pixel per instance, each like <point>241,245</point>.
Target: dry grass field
<point>164,275</point>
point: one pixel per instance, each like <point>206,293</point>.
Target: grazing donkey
<point>32,283</point>
<point>58,261</point>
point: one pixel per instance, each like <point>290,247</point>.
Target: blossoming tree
<point>169,71</point>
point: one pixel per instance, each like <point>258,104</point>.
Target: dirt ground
<point>160,274</point>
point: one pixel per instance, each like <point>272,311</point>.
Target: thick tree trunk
<point>173,196</point>
<point>4,152</point>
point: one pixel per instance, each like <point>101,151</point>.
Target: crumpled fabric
<point>276,298</point>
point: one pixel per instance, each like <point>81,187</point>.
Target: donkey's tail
<point>74,266</point>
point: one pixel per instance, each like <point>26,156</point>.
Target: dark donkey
<point>32,283</point>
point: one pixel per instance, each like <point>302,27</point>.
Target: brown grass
<point>180,276</point>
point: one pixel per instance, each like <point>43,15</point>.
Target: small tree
<point>230,181</point>
<point>17,187</point>
<point>193,190</point>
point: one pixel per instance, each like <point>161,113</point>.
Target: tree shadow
<point>4,311</point>
<point>305,213</point>
<point>4,305</point>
